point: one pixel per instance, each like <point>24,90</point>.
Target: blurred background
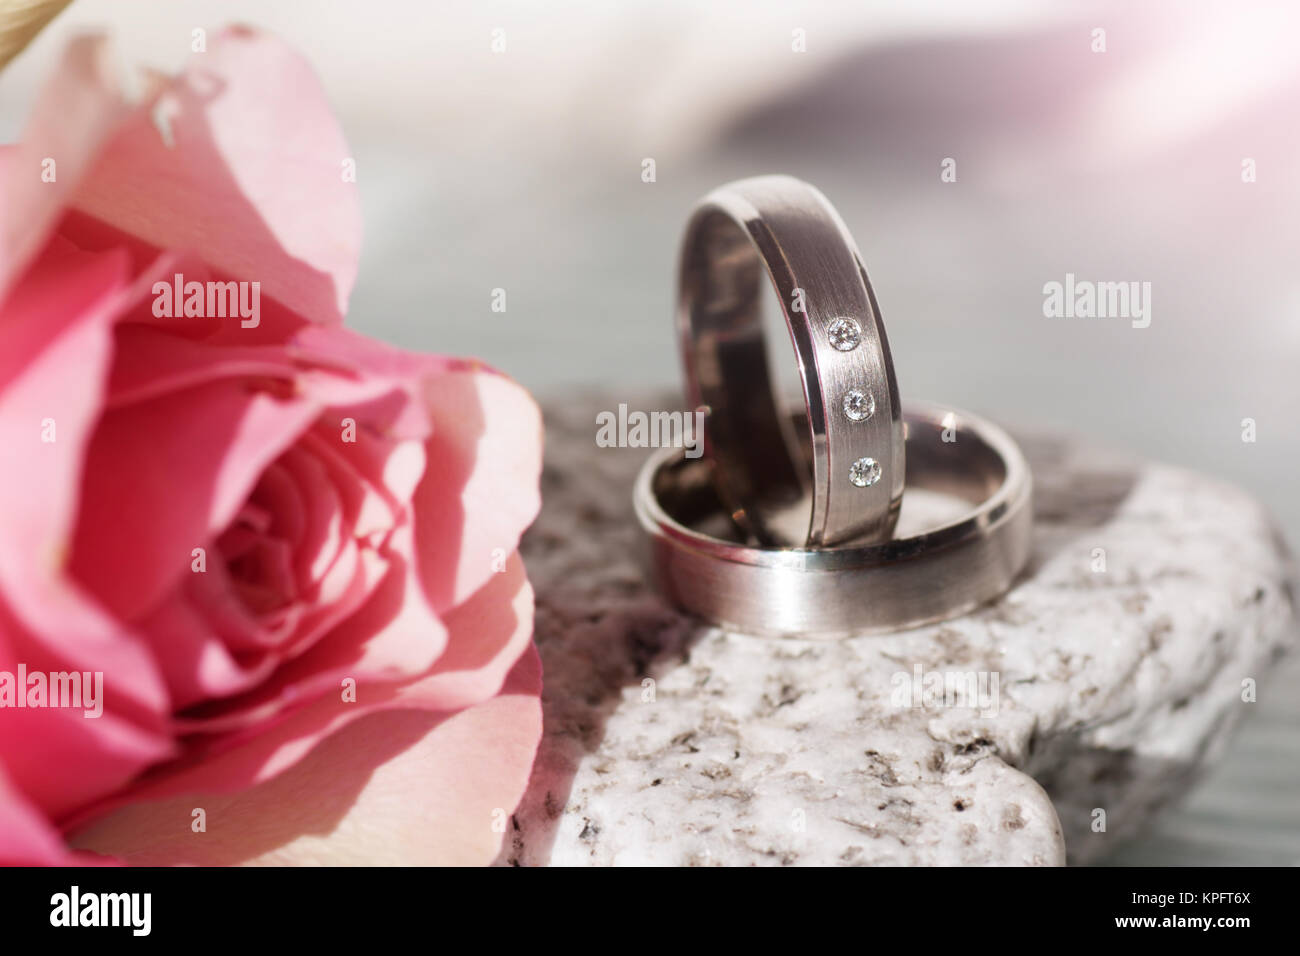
<point>521,168</point>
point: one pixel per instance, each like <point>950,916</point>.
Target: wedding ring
<point>852,490</point>
<point>702,567</point>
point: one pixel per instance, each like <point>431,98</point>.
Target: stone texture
<point>670,742</point>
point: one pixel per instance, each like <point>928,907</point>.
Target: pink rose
<point>259,528</point>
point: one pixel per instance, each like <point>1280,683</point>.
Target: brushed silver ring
<point>941,573</point>
<point>853,490</point>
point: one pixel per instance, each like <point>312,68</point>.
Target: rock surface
<point>1152,601</point>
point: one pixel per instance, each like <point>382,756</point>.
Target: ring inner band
<point>748,435</point>
<point>969,469</point>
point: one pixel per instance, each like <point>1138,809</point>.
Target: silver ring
<point>943,572</point>
<point>854,487</point>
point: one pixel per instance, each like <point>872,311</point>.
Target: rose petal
<point>247,759</point>
<point>64,757</point>
<point>26,837</point>
<point>253,180</point>
<point>485,640</point>
<point>56,327</point>
<point>42,420</point>
<point>393,636</point>
<point>74,115</point>
<point>169,474</point>
<point>480,487</point>
<point>195,660</point>
<point>150,363</point>
<point>396,788</point>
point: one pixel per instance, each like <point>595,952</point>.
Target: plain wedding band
<point>838,592</point>
<point>853,490</point>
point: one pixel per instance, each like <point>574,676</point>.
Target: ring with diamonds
<point>853,426</point>
<point>958,563</point>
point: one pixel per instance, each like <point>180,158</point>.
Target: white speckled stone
<point>1115,688</point>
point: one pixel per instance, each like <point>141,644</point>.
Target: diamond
<point>864,472</point>
<point>845,334</point>
<point>859,405</point>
